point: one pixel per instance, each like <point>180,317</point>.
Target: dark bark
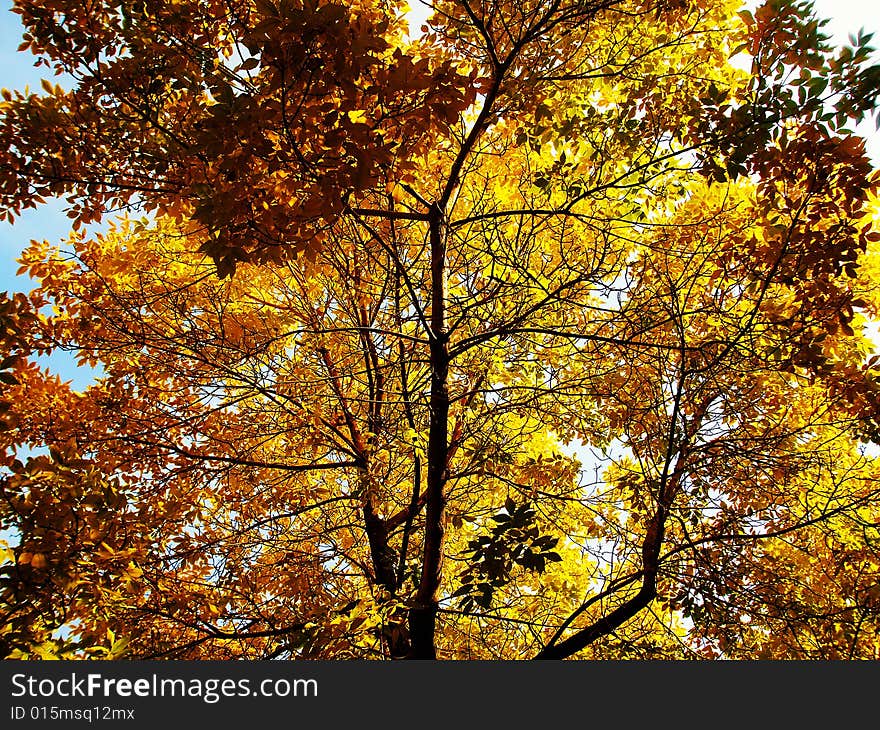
<point>423,613</point>
<point>669,488</point>
<point>382,557</point>
<point>381,554</point>
<point>624,612</point>
<point>383,560</point>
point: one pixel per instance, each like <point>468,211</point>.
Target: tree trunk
<point>383,559</point>
<point>423,614</point>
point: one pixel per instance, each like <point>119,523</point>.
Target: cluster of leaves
<point>66,552</point>
<point>568,229</point>
<point>17,319</point>
<point>797,80</point>
<point>514,540</point>
<point>204,99</point>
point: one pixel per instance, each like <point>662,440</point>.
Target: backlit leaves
<point>654,269</point>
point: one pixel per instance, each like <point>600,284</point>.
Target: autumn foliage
<point>534,332</point>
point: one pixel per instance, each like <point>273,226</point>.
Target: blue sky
<point>49,222</point>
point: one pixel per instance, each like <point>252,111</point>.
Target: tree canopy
<point>537,332</point>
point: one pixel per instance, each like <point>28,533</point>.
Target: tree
<point>538,335</point>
